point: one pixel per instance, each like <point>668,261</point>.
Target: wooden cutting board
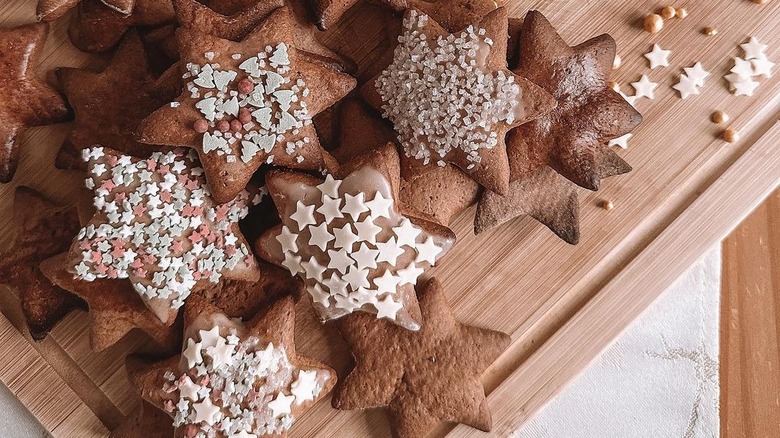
<point>562,304</point>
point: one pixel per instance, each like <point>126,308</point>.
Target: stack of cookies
<point>221,194</point>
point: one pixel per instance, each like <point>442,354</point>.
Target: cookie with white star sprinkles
<point>451,98</point>
<point>351,242</point>
<point>158,226</point>
<point>233,379</point>
<point>247,103</point>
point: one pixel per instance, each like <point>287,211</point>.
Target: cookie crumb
<point>654,23</point>
<point>616,62</point>
<point>710,31</point>
<point>682,12</point>
<point>606,204</point>
<point>668,12</point>
<point>730,135</point>
<point>720,117</point>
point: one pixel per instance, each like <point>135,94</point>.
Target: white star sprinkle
<point>209,338</point>
<point>742,68</point>
<point>406,233</point>
<point>644,87</point>
<point>686,86</point>
<point>288,240</point>
<point>281,404</point>
<point>304,387</point>
<point>389,251</point>
<point>304,215</point>
<point>745,88</point>
<point>427,251</point>
<point>753,49</point>
<point>192,353</point>
<point>330,208</point>
<point>658,57</point>
<point>320,236</point>
<point>621,141</point>
<point>387,308</point>
<point>380,206</point>
<point>762,67</point>
<point>330,187</point>
<point>339,260</point>
<point>354,205</point>
<point>205,411</point>
<point>697,74</point>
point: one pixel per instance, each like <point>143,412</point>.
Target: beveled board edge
<point>707,221</point>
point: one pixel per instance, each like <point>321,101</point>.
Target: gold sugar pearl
<point>654,23</point>
<point>730,135</point>
<point>614,85</point>
<point>606,204</point>
<point>682,12</point>
<point>720,117</point>
<point>616,62</point>
<point>668,12</point>
<point>710,31</point>
<point>760,2</point>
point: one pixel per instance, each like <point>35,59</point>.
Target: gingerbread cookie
<point>114,308</point>
<point>25,100</point>
<point>98,28</point>
<point>50,10</point>
<point>440,193</point>
<point>570,139</point>
<point>246,104</point>
<point>350,241</point>
<point>327,12</point>
<point>421,377</point>
<point>234,379</point>
<point>460,113</point>
<point>157,225</point>
<point>106,113</point>
<point>144,421</point>
<point>44,228</point>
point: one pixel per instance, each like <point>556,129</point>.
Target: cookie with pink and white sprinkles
<point>157,225</point>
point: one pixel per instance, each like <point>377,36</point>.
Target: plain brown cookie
<point>422,377</point>
<point>105,112</point>
<point>145,421</point>
<point>98,28</point>
<point>570,140</point>
<point>25,100</point>
<point>44,229</point>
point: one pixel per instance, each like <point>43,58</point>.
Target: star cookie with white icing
<point>451,98</point>
<point>351,242</point>
<point>247,103</point>
<point>158,226</point>
<point>424,377</point>
<point>571,140</point>
<point>234,379</point>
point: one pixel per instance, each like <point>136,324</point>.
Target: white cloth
<point>15,420</point>
<point>659,379</point>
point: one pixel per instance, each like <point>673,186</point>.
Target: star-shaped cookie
<point>247,103</point>
<point>589,112</point>
<point>460,113</point>
<point>571,140</point>
<point>25,100</point>
<point>234,379</point>
<point>421,377</point>
<point>50,10</point>
<point>98,28</point>
<point>327,12</point>
<point>109,105</point>
<point>44,229</point>
<point>114,308</point>
<point>350,240</point>
<point>158,226</point>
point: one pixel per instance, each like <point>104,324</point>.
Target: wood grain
<point>750,326</point>
<point>518,278</point>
